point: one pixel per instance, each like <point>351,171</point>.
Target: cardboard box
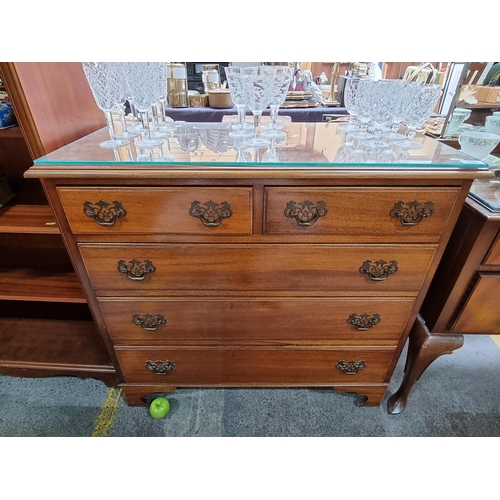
<point>493,95</point>
<point>481,92</point>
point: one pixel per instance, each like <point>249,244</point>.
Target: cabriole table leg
<point>423,349</point>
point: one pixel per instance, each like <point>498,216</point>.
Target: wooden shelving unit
<point>45,324</point>
<point>479,105</point>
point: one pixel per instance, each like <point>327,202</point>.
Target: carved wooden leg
<point>423,349</point>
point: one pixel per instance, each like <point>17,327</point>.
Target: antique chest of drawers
<point>221,273</point>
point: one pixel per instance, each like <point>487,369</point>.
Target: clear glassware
<point>396,109</point>
<point>363,104</point>
<point>350,91</point>
<point>127,132</point>
<point>142,81</point>
<point>419,101</point>
<point>104,81</point>
<point>277,138</point>
<point>282,78</point>
<point>257,83</point>
<point>377,151</point>
<point>234,76</point>
<point>381,106</point>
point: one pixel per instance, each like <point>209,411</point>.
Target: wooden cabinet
<point>463,298</point>
<point>46,327</point>
<point>229,274</point>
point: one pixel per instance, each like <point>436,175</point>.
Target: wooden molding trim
<point>21,108</point>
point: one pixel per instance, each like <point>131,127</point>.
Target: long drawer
<point>186,210</point>
<point>358,211</point>
<point>202,366</point>
<point>353,321</point>
<point>128,269</point>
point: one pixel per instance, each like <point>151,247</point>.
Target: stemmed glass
<point>257,82</point>
<point>363,106</point>
<point>279,90</point>
<point>130,132</point>
<point>103,79</point>
<point>382,95</point>
<point>142,80</point>
<point>237,90</point>
<point>350,91</point>
<point>399,87</point>
<point>419,100</point>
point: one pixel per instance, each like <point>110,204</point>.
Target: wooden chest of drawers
<point>248,276</point>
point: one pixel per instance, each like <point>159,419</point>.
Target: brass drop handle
<point>103,212</point>
<point>364,321</point>
<point>413,212</point>
<point>136,270</point>
<point>149,322</point>
<point>305,213</point>
<point>378,270</point>
<point>160,367</point>
<point>350,367</point>
<point>211,214</point>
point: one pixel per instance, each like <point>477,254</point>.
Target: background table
<point>206,114</point>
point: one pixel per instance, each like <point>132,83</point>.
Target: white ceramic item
<point>478,144</point>
<point>492,124</point>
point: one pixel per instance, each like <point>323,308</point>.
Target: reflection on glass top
<point>301,144</point>
<point>487,192</point>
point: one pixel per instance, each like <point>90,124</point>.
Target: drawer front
<point>201,366</point>
<point>189,210</point>
<point>493,258</point>
<point>480,311</point>
<point>176,268</point>
<point>348,321</point>
<point>358,211</point>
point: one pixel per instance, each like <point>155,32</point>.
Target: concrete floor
<point>459,395</point>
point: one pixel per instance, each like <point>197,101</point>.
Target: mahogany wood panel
<point>358,210</point>
<point>47,341</point>
<point>159,210</point>
<point>254,267</point>
<point>277,321</point>
<point>493,257</point>
<point>253,366</point>
<point>38,284</point>
<point>38,219</point>
<point>479,312</point>
<point>67,110</point>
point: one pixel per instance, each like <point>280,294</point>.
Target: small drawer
<point>493,257</point>
<point>352,321</point>
<point>183,210</point>
<point>479,310</point>
<point>253,366</point>
<point>358,211</point>
<point>177,268</point>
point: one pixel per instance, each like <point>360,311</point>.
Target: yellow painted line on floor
<point>109,409</point>
<point>496,339</point>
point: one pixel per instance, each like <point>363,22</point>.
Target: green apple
<point>159,408</point>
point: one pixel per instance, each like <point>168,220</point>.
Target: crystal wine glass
<point>237,90</point>
<point>279,90</point>
<point>103,78</point>
<point>350,91</point>
<point>363,106</point>
<point>419,100</point>
<point>142,80</point>
<point>257,82</point>
<point>381,106</point>
<point>129,132</point>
